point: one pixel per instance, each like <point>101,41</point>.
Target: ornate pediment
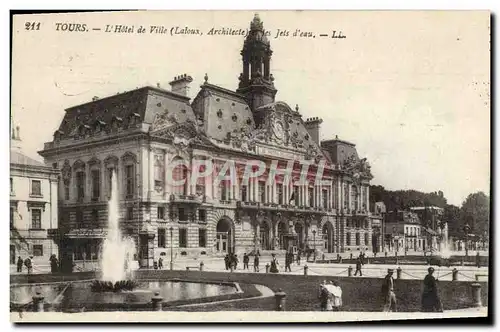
<point>313,152</point>
<point>359,168</point>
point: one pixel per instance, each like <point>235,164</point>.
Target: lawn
<point>359,294</point>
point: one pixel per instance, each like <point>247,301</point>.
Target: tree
<point>476,212</point>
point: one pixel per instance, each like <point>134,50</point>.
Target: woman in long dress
<point>274,265</point>
<point>430,296</point>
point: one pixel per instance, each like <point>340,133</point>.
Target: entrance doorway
<point>12,254</point>
<point>328,237</point>
<point>265,240</point>
<point>299,229</point>
<point>224,236</point>
<point>282,232</point>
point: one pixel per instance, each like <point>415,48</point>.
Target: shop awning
<point>90,233</point>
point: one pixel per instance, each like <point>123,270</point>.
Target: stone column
<point>166,180</point>
<point>151,177</point>
<point>339,194</point>
<point>367,198</point>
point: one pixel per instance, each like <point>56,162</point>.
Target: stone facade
<point>152,137</point>
<point>33,207</point>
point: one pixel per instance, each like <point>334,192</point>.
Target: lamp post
<point>171,248</point>
<point>466,231</point>
<point>314,244</point>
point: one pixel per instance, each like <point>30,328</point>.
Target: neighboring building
<point>434,228</point>
<point>404,232</point>
<point>139,134</point>
<point>33,206</point>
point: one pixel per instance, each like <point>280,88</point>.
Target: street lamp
<point>314,243</point>
<point>466,231</point>
<point>171,249</point>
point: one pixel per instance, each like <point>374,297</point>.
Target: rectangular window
<point>366,238</point>
<point>347,239</point>
<point>12,217</point>
<point>161,238</point>
<point>130,213</point>
<point>109,180</point>
<point>79,217</point>
<point>95,215</point>
<point>129,180</point>
<point>223,191</point>
<point>182,214</point>
<point>325,198</point>
<point>11,186</point>
<point>160,212</point>
<point>200,190</point>
<point>202,238</point>
<point>357,239</point>
<point>36,219</point>
<point>37,250</point>
<point>182,238</point>
<point>80,185</point>
<point>311,196</point>
<point>36,188</point>
<point>202,215</point>
<point>243,193</point>
<point>66,192</point>
<point>279,189</point>
<point>96,184</point>
<point>296,196</point>
<point>262,191</point>
<point>159,174</point>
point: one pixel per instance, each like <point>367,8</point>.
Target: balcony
<point>279,207</point>
<point>187,199</point>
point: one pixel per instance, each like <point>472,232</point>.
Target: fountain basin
<point>76,296</point>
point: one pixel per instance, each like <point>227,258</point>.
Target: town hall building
<point>138,134</point>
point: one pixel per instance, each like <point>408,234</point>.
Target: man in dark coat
<point>358,268</point>
<point>256,263</point>
<point>160,263</point>
<point>246,259</point>
<point>388,294</point>
<point>226,261</point>
<point>298,257</point>
<point>20,264</point>
<point>288,262</point>
<point>430,296</point>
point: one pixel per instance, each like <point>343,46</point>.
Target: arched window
<point>354,198</point>
<point>159,173</point>
<point>179,175</point>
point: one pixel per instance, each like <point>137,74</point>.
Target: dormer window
<point>116,122</point>
<point>219,113</point>
<point>99,126</point>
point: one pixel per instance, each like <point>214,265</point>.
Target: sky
<point>410,89</point>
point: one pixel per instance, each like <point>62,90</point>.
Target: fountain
<point>117,252</point>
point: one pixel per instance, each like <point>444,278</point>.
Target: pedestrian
<point>298,257</point>
<point>430,297</point>
<point>53,263</point>
<point>358,267</point>
<point>226,261</point>
<point>288,262</point>
<point>29,264</point>
<point>246,259</point>
<point>388,295</point>
<point>256,263</point>
<point>336,292</point>
<point>274,264</point>
<point>160,263</point>
<point>19,264</point>
<point>325,297</point>
<point>235,261</point>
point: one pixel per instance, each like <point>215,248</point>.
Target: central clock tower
<point>256,80</point>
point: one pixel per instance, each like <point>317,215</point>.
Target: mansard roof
<point>141,105</point>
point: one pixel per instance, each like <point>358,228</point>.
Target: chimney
<point>180,84</point>
<point>15,142</point>
<point>313,125</point>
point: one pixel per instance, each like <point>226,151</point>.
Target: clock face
<point>278,131</point>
